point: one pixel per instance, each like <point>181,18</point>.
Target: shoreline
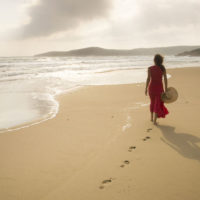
<point>51,115</point>
<point>56,98</point>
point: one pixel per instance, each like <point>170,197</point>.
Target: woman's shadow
<point>184,143</point>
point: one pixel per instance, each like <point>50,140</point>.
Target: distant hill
<point>97,51</point>
<point>195,52</point>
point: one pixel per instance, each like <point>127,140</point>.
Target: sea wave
<point>34,82</point>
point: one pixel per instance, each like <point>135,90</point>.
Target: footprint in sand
<point>146,138</point>
<point>105,182</point>
<point>125,162</point>
<point>149,129</point>
<point>131,148</point>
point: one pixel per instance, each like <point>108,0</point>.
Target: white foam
<point>17,109</point>
<point>142,104</point>
<point>125,127</point>
<point>28,85</point>
<point>128,124</point>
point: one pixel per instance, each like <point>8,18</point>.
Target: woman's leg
<point>152,102</point>
<point>152,116</point>
<point>155,119</point>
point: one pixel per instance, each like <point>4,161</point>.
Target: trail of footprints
<point>125,162</point>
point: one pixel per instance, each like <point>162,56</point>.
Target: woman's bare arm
<point>165,80</point>
<point>147,81</point>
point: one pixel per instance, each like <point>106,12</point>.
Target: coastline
<point>52,114</point>
<point>79,153</point>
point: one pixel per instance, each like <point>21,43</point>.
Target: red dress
<point>155,90</point>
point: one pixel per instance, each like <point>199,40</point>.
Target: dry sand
<point>102,145</point>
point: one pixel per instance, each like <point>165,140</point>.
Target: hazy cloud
<point>167,13</point>
<point>77,23</point>
<point>51,16</point>
<point>158,23</point>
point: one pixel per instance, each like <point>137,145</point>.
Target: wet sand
<point>102,145</point>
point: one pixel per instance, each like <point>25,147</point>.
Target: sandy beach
<point>102,145</point>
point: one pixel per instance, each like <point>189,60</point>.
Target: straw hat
<point>170,95</point>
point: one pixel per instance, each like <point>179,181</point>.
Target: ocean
<point>29,85</point>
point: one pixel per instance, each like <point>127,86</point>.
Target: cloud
<point>50,16</point>
<point>157,14</point>
<point>158,23</point>
<point>125,24</point>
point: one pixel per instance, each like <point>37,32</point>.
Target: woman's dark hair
<point>158,60</point>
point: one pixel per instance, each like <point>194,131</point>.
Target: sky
<point>29,27</point>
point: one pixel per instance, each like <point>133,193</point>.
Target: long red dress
<point>155,90</point>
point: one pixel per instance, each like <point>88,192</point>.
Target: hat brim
<point>170,96</point>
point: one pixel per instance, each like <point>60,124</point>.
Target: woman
<point>154,86</point>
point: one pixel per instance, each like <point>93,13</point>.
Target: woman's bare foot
<point>155,119</point>
<point>155,123</point>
